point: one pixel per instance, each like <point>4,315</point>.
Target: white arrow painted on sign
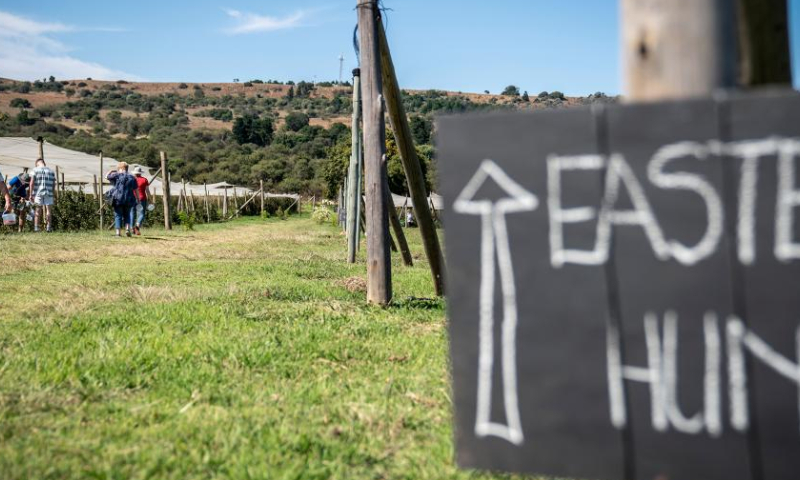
<point>494,236</point>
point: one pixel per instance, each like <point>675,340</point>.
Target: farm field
<point>243,350</point>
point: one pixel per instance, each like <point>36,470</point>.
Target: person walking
<point>42,193</point>
<point>143,195</point>
<point>4,192</point>
<point>123,197</point>
<point>18,188</point>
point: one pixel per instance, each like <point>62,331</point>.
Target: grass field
<point>242,350</point>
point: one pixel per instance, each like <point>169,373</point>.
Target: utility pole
<point>379,267</point>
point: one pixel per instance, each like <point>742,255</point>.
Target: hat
<point>138,171</point>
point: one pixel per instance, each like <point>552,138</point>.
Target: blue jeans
<point>141,213</point>
<point>123,214</point>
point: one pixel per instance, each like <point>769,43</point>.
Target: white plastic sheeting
<point>79,169</point>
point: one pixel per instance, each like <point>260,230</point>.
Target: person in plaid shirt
<point>42,191</point>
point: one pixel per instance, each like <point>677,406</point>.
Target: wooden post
<point>398,230</point>
<point>100,198</point>
<point>411,163</point>
<point>225,204</point>
<point>235,202</point>
<point>166,177</point>
<point>379,266</point>
<point>94,187</point>
<point>56,192</point>
<point>208,211</point>
<point>677,49</point>
<point>261,184</point>
<point>41,147</point>
<point>191,195</point>
<point>354,173</point>
<point>313,203</point>
<point>764,54</point>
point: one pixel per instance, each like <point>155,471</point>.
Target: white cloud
<point>251,22</point>
<point>28,52</point>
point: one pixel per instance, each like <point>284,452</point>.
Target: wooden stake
<point>94,187</point>
<point>208,210</point>
<point>354,173</point>
<point>411,164</point>
<point>677,49</point>
<point>764,54</point>
<point>261,184</point>
<point>166,177</point>
<point>397,228</point>
<point>235,201</point>
<point>41,147</point>
<point>225,204</point>
<point>56,192</point>
<point>100,198</point>
<point>379,266</point>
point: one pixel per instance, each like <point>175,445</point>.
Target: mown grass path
<point>242,350</point>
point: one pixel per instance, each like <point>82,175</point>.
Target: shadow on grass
<point>417,303</point>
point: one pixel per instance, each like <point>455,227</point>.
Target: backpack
<point>122,193</point>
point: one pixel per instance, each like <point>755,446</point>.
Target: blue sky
<point>461,45</point>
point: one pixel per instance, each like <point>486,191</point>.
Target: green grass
<point>231,351</point>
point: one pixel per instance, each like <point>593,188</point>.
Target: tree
<point>290,93</point>
<point>511,90</point>
<point>296,121</point>
<point>251,129</point>
<point>20,103</point>
<point>421,129</point>
<point>525,97</point>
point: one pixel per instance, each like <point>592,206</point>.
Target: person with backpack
<point>123,197</point>
<point>18,188</point>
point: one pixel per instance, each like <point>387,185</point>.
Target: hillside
<point>293,136</point>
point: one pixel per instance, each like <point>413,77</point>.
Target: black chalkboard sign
<point>624,289</point>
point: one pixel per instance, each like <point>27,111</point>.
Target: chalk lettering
<point>689,181</point>
<point>559,216</point>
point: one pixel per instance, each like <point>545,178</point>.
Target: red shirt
<point>141,188</point>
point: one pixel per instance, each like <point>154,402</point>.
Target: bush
<point>20,103</point>
<point>76,211</point>
<point>322,215</point>
<point>186,220</point>
<point>511,90</point>
<point>183,86</point>
<point>296,121</point>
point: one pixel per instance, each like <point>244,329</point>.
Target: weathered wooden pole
<point>261,185</point>
<point>56,192</point>
<point>41,147</point>
<point>100,198</point>
<point>208,210</point>
<point>354,173</point>
<point>94,186</point>
<point>235,202</point>
<point>225,204</point>
<point>379,266</point>
<point>764,54</point>
<point>397,228</point>
<point>166,177</point>
<point>411,163</point>
<point>677,48</point>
